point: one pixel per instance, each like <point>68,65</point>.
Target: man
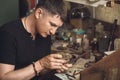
<point>25,43</point>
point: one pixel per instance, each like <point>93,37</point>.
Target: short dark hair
<point>54,7</point>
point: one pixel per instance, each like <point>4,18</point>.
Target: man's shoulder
<point>11,24</point>
<point>11,27</point>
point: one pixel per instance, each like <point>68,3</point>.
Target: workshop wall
<point>9,10</point>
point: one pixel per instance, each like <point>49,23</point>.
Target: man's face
<point>47,24</point>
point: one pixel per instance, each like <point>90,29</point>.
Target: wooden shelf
<point>85,2</point>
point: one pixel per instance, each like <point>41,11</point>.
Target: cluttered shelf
<point>86,66</point>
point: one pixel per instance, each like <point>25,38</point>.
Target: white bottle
<point>85,42</point>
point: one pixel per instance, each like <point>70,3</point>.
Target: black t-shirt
<point>18,48</point>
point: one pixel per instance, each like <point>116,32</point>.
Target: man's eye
<point>54,25</point>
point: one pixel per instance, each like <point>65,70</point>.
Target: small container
<point>78,35</point>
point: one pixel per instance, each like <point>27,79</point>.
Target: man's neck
<point>29,25</point>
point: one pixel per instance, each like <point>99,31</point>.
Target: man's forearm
<point>22,74</point>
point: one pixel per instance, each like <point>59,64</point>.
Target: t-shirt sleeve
<point>7,48</point>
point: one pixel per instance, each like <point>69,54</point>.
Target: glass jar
<point>78,35</point>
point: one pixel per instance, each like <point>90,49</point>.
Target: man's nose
<point>53,31</point>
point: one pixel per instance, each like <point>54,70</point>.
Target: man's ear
<point>38,13</point>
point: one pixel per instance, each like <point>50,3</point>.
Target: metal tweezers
<point>70,77</point>
<point>73,60</point>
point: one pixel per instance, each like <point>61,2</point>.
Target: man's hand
<point>54,61</point>
<point>64,68</point>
